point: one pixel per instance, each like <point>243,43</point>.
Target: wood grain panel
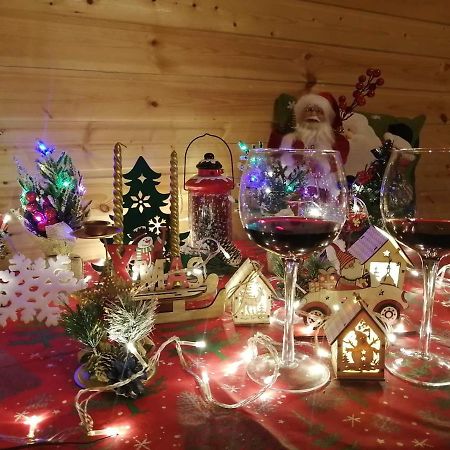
<point>287,19</point>
<point>107,47</point>
<point>87,96</point>
<point>431,10</point>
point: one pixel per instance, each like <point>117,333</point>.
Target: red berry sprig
<point>364,87</point>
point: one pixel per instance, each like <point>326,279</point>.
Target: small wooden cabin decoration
<point>250,294</point>
<point>382,257</point>
<point>358,343</point>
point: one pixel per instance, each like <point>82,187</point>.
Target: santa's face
<point>312,114</point>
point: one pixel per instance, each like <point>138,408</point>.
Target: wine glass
<point>292,203</point>
<point>416,211</point>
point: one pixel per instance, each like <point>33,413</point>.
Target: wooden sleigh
<point>191,303</point>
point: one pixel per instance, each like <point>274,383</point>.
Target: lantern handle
<point>199,137</point>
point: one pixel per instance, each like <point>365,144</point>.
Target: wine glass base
<point>413,366</point>
<point>306,374</point>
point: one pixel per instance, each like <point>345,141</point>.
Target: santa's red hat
<point>324,100</point>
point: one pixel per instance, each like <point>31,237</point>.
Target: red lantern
<point>210,201</point>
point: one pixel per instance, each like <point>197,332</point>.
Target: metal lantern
<point>210,201</point>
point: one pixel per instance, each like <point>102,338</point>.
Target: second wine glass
<point>292,203</point>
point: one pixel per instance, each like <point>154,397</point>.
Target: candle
<point>174,241</point>
<point>117,193</point>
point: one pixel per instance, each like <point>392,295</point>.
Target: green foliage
<point>58,186</point>
<point>84,323</point>
<point>129,320</point>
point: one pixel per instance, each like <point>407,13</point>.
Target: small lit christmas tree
<point>143,203</point>
<point>54,196</point>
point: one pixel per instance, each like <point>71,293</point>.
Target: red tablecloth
<point>37,366</point>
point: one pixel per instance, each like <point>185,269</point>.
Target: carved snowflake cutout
<point>35,289</point>
<point>155,224</point>
<point>140,201</point>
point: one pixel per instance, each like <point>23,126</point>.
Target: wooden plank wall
<point>83,74</point>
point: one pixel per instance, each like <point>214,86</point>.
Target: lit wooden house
<point>357,341</point>
<point>381,256</point>
<point>250,294</point>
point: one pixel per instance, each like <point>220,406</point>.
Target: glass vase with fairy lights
<point>210,201</point>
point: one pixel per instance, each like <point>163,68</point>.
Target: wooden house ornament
<point>382,257</point>
<point>358,341</point>
<point>250,294</point>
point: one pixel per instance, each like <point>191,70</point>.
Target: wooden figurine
<point>358,342</point>
<point>373,267</point>
<point>251,295</point>
<point>183,293</point>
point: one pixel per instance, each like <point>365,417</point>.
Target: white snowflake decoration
<point>155,224</point>
<point>140,201</point>
<point>35,289</point>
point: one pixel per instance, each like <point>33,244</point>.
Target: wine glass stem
<point>290,280</point>
<point>430,267</point>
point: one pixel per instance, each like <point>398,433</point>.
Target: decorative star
<point>387,253</point>
<point>352,419</point>
<point>21,416</point>
<point>144,444</point>
<point>421,444</point>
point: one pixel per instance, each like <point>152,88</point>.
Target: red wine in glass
<point>429,237</point>
<point>292,236</point>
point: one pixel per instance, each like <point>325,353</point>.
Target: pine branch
<point>129,320</point>
<point>84,323</point>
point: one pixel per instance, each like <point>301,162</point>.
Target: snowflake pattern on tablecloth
<point>35,289</point>
<point>155,224</point>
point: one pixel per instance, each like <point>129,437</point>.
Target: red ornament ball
<point>372,86</point>
<point>362,78</point>
<point>39,217</point>
<point>41,226</point>
<point>359,85</point>
<point>380,81</point>
<point>361,101</point>
<point>356,94</point>
<point>371,94</point>
<point>31,197</point>
<point>31,207</point>
<point>369,72</point>
<point>51,213</point>
<point>342,99</point>
<point>51,221</point>
<point>376,72</point>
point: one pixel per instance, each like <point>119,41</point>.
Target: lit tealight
<point>336,307</point>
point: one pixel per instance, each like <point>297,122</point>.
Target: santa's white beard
<point>315,135</point>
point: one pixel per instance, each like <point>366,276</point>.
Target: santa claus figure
<point>318,124</point>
